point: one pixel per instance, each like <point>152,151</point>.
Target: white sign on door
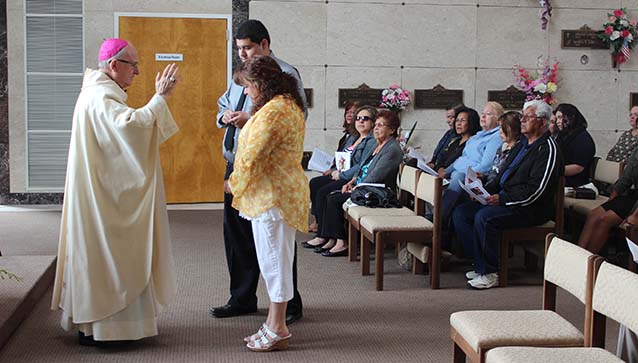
<point>169,57</point>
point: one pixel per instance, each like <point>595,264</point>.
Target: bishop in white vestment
<point>115,266</point>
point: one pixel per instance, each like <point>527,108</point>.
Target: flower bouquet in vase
<point>619,34</point>
<point>394,98</point>
<point>540,84</point>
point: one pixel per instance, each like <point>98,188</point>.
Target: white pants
<point>275,245</point>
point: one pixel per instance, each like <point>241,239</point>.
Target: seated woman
<point>618,208</point>
<point>365,118</point>
<point>464,128</point>
<point>380,166</point>
<point>576,145</point>
<point>627,141</point>
<point>448,136</point>
<point>346,143</point>
<point>510,133</point>
<point>478,155</point>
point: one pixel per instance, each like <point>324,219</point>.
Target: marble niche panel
<point>598,59</point>
<point>628,83</point>
<point>508,36</point>
<point>595,93</point>
<point>315,78</point>
<point>364,34</point>
<point>580,4</point>
<point>352,77</point>
<point>491,80</point>
<point>297,29</point>
<point>438,36</point>
<point>427,78</point>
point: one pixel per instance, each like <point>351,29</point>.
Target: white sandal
<point>260,333</point>
<point>269,341</point>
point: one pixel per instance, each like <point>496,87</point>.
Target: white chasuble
<point>115,265</point>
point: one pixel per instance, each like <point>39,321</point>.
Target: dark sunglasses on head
<point>363,118</point>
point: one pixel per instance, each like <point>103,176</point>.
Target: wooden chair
<point>566,266</point>
<point>605,173</point>
<point>614,295</point>
<point>415,228</point>
<point>407,188</point>
<point>535,233</point>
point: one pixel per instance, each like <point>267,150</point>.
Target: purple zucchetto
<point>111,47</point>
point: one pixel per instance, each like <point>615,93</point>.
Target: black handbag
<point>375,197</point>
<point>584,193</point>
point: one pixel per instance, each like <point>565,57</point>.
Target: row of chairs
<point>381,226</point>
<point>544,335</point>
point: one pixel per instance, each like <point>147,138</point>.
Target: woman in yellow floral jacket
<point>269,186</point>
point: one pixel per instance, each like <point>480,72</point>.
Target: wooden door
<point>192,160</point>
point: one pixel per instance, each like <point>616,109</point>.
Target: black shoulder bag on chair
<point>375,197</point>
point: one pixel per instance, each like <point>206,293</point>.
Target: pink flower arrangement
<point>619,33</point>
<point>540,85</point>
<point>395,98</point>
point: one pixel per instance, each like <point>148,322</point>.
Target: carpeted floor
<point>345,319</point>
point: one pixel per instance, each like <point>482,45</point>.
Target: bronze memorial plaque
<point>584,37</point>
<point>309,93</point>
<point>511,98</point>
<point>364,94</point>
<point>633,99</point>
<point>437,98</point>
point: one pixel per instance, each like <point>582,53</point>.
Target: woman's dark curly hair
<point>266,75</point>
<point>572,118</point>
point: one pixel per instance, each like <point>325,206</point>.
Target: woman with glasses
<point>381,165</point>
<point>351,142</point>
<point>364,122</point>
<point>627,141</point>
<point>464,127</point>
<point>576,145</point>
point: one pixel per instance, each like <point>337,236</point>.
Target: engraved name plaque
<point>584,37</point>
<point>364,94</point>
<point>437,98</point>
<point>511,98</point>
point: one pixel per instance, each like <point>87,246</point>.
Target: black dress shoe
<point>292,317</point>
<point>335,254</point>
<point>308,245</point>
<point>228,311</point>
<point>321,249</point>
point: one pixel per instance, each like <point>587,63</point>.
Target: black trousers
<point>321,198</point>
<point>242,259</point>
<point>332,225</point>
<point>315,184</point>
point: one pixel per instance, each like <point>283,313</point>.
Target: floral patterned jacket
<point>267,171</point>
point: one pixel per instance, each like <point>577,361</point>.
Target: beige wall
<point>461,44</point>
<point>98,24</point>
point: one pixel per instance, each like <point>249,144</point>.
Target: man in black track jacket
<point>522,195</point>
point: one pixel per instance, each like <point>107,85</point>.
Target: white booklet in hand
<point>474,187</point>
<point>319,161</point>
<point>422,164</point>
<point>342,160</point>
